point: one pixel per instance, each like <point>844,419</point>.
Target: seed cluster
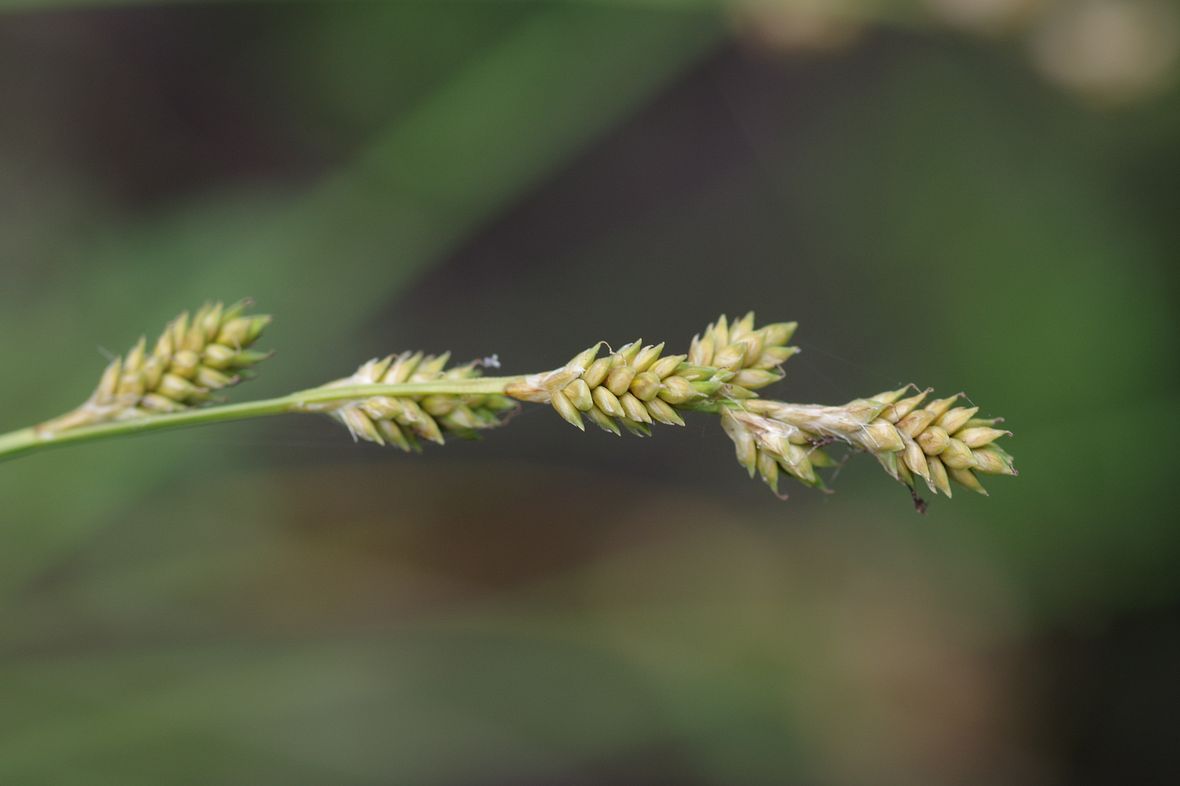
<point>938,442</point>
<point>725,365</point>
<point>766,445</point>
<point>194,357</point>
<point>630,388</point>
<point>753,356</point>
<point>635,386</point>
<point>404,420</point>
<point>638,385</point>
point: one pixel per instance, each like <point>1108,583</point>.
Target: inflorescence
<point>406,399</point>
<point>193,358</point>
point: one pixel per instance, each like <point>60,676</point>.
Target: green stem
<point>27,440</point>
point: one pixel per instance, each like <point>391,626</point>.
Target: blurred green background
<point>970,194</point>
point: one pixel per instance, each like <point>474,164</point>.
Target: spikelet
<point>937,442</point>
<point>404,421</point>
<point>194,357</point>
<point>753,355</point>
<point>770,447</point>
<point>636,386</point>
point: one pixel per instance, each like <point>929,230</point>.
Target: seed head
<point>938,442</point>
<point>768,445</point>
<point>630,388</point>
<point>753,355</point>
<point>404,421</point>
<point>636,386</point>
<point>193,358</point>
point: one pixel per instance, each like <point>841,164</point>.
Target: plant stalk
<point>28,440</point>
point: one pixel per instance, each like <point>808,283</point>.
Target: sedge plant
<point>409,399</point>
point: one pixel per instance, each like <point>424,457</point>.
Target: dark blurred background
<point>977,195</point>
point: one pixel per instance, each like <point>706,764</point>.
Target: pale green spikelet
<point>937,442</point>
<point>636,386</point>
<point>404,421</point>
<point>194,357</point>
<point>753,355</point>
<point>762,442</point>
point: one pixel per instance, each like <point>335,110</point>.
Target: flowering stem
<point>27,440</point>
<point>409,398</point>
